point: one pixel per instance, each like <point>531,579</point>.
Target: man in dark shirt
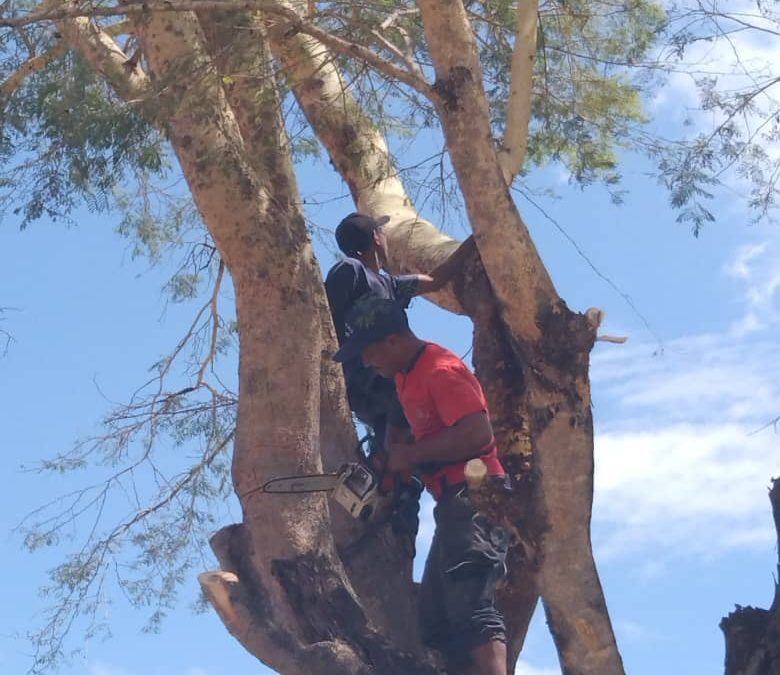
<point>362,240</point>
<point>449,418</point>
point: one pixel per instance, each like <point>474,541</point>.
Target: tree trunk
<point>282,590</point>
<point>360,154</point>
<point>753,635</point>
<point>552,343</point>
<point>380,568</point>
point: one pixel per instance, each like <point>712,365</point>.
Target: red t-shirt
<point>436,393</point>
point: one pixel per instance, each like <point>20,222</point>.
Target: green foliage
<point>68,141</point>
<point>153,221</point>
<point>587,101</point>
<point>739,99</point>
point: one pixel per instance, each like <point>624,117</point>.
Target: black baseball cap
<point>355,233</point>
<point>370,320</point>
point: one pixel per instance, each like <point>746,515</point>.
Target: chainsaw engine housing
<point>357,490</point>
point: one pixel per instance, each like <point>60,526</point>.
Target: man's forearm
<point>455,444</point>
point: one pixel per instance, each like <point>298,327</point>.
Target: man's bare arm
<point>466,439</point>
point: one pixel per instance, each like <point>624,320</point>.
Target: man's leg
<point>473,551</point>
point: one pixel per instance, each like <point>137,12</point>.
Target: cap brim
<point>381,220</point>
<point>349,350</point>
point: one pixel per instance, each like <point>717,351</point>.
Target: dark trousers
<point>457,595</point>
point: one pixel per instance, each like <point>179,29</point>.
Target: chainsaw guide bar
<point>318,482</point>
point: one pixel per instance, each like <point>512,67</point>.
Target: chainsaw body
<point>357,490</point>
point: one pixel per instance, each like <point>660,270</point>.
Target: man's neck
<point>371,260</point>
<point>416,348</point>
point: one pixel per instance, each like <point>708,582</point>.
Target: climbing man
<point>446,408</point>
<point>363,241</point>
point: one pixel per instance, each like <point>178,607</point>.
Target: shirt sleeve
<point>456,393</point>
<point>341,287</point>
<point>404,288</point>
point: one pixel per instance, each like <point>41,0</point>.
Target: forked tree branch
<point>104,55</point>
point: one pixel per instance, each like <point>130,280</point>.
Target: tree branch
<point>364,163</point>
<point>32,66</point>
<point>296,24</point>
<point>103,53</point>
<point>215,320</point>
<point>752,634</point>
<point>518,114</point>
<point>406,57</point>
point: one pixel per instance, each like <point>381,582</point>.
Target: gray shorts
<point>457,595</point>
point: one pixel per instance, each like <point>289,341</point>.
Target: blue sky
<point>682,529</point>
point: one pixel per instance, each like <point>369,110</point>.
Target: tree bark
<point>360,154</point>
<point>752,635</point>
<point>518,113</point>
<point>533,363</point>
<point>380,567</point>
<point>289,602</point>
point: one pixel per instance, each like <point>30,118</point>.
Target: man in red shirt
<point>446,409</point>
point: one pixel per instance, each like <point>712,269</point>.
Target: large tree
<point>101,95</point>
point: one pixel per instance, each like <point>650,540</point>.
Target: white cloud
<point>702,379</point>
<point>688,489</point>
<point>679,470</point>
<point>756,268</point>
<point>524,668</point>
<point>742,266</point>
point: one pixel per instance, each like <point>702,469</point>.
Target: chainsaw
<point>354,486</point>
